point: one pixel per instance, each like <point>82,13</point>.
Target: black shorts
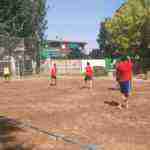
<point>6,75</point>
<point>87,78</point>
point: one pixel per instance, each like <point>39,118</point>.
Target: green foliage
<point>44,55</point>
<point>22,18</point>
<point>129,28</point>
<point>73,46</point>
<point>103,36</point>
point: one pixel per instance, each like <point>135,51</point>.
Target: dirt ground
<point>90,116</point>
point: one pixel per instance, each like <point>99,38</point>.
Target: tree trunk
<point>37,58</point>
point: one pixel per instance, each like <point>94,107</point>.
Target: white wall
<point>93,62</point>
<point>71,66</point>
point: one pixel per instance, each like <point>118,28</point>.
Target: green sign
<point>44,54</point>
<point>50,53</point>
<point>73,45</point>
<point>109,63</point>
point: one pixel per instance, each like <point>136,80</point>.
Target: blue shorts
<point>125,87</point>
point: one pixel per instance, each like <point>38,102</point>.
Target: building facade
<point>59,49</point>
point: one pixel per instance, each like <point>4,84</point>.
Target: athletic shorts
<point>87,78</point>
<point>53,77</point>
<point>125,87</point>
<point>6,75</point>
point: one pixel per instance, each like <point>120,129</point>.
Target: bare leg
<point>55,81</point>
<point>122,104</point>
<point>85,83</point>
<point>125,100</point>
<point>91,83</point>
<point>51,81</point>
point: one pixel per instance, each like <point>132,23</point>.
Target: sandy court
<point>87,115</point>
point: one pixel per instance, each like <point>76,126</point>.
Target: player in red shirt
<point>53,74</point>
<point>88,75</point>
<point>124,77</point>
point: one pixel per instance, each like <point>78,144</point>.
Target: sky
<point>78,20</point>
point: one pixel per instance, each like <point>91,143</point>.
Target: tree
<point>23,19</point>
<point>104,38</point>
<point>19,18</point>
<point>15,18</point>
<point>38,27</point>
<point>145,35</point>
<point>130,28</point>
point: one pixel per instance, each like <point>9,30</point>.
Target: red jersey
<point>124,70</point>
<point>53,71</point>
<point>89,71</point>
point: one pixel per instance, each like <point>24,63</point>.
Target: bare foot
<point>120,106</point>
<point>126,105</point>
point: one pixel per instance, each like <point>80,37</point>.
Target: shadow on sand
<point>114,89</point>
<point>112,103</point>
<point>8,141</point>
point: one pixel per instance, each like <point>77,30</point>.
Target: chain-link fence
<point>18,53</point>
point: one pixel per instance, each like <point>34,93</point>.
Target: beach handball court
<point>88,116</point>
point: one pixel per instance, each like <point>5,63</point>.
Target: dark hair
<point>88,63</point>
<point>124,58</point>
